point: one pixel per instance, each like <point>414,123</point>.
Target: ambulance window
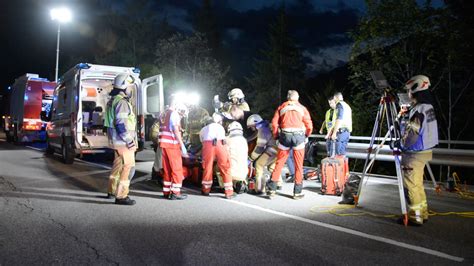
<point>153,99</point>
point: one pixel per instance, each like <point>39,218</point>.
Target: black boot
<point>298,191</point>
<point>178,197</point>
<point>110,196</point>
<point>125,201</point>
<point>271,188</point>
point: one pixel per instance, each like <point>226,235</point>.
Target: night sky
<point>319,26</point>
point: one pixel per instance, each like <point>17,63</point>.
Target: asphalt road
<point>53,213</point>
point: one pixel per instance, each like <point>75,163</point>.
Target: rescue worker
<point>238,150</point>
<point>121,124</point>
<point>328,123</point>
<point>237,98</point>
<point>157,169</point>
<point>419,136</point>
<point>291,125</point>
<point>342,128</point>
<point>213,141</point>
<point>264,153</point>
<point>194,125</point>
<point>172,149</point>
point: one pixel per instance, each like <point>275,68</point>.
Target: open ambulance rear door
<point>151,102</point>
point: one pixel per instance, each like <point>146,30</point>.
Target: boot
<point>298,191</point>
<point>178,196</point>
<point>125,201</point>
<point>271,188</point>
<point>110,195</point>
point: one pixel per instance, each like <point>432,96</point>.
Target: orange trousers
<point>219,152</point>
<point>282,156</point>
<point>173,171</point>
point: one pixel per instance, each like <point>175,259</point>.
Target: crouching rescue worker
<point>172,150</point>
<point>294,124</point>
<point>264,153</point>
<point>213,141</point>
<point>419,136</point>
<point>238,150</point>
<point>121,125</point>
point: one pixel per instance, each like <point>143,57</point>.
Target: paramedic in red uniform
<point>291,125</point>
<point>213,141</point>
<point>172,147</point>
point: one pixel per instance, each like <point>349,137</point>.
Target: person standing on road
<point>264,153</point>
<point>328,123</point>
<point>213,141</point>
<point>121,125</point>
<point>341,131</point>
<point>172,150</point>
<point>419,136</point>
<point>294,124</point>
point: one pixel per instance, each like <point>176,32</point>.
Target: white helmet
<point>253,120</point>
<point>234,126</point>
<point>122,81</point>
<point>181,108</point>
<point>236,93</point>
<point>417,83</point>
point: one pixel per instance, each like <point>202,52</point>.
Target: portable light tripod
<point>386,110</point>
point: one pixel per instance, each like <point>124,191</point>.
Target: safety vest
<point>166,136</point>
<point>330,117</point>
<point>110,114</point>
<point>346,116</point>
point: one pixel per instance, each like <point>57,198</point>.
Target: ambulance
<point>30,95</point>
<point>76,120</point>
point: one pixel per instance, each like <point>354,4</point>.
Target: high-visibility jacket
<point>120,121</point>
<point>344,113</point>
<point>166,136</point>
<point>238,151</point>
<point>421,130</point>
<point>330,119</point>
<point>292,116</point>
<point>265,141</point>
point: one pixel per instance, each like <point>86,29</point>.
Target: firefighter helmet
<point>418,83</point>
<point>236,93</point>
<point>253,120</point>
<point>122,81</point>
<point>234,126</point>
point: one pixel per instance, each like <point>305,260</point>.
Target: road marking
<point>353,232</point>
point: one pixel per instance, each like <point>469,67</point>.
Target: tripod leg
<point>369,152</point>
<point>401,191</point>
<point>435,185</point>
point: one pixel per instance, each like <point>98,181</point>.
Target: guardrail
<point>441,156</point>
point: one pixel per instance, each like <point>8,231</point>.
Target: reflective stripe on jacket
<point>166,136</point>
<point>120,121</point>
<point>292,116</point>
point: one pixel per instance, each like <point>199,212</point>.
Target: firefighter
<point>264,153</point>
<point>237,98</point>
<point>419,136</point>
<point>194,125</point>
<point>157,169</point>
<point>342,127</point>
<point>291,125</point>
<point>329,123</point>
<point>238,150</point>
<point>172,150</point>
<point>121,125</point>
<point>213,141</point>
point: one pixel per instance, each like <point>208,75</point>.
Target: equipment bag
<point>334,172</point>
<point>350,190</point>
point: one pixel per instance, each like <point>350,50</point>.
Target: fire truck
<point>30,95</point>
<point>76,120</point>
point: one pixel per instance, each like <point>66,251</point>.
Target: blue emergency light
<point>136,70</point>
<point>83,66</point>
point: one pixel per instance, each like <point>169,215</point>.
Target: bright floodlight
<point>61,14</point>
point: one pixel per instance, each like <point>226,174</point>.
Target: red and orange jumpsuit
<point>214,147</point>
<point>171,153</point>
<point>295,125</point>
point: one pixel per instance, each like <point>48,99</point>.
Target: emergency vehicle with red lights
<point>30,95</point>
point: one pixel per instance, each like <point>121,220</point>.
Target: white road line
<point>34,148</point>
<point>353,232</point>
